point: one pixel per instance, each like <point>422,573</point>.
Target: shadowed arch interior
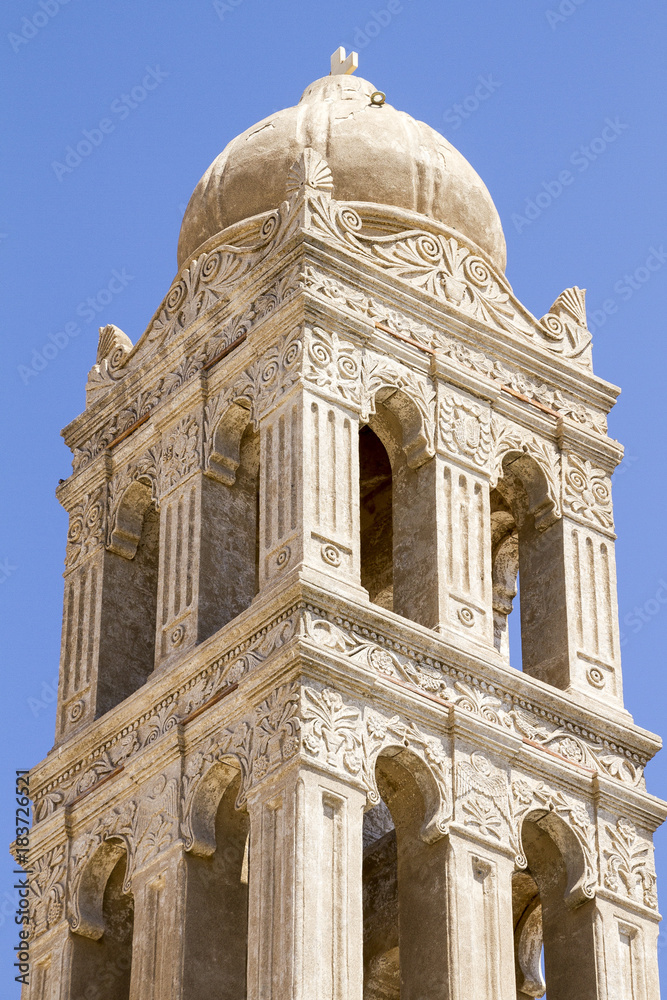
<point>404,886</point>
<point>129,598</point>
<point>528,544</point>
<point>105,960</point>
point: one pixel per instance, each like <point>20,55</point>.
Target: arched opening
<point>229,561</point>
<point>397,486</point>
<point>404,888</point>
<point>129,599</point>
<point>554,940</point>
<point>527,550</point>
<point>104,955</point>
<point>216,943</point>
<point>376,519</point>
<point>505,577</point>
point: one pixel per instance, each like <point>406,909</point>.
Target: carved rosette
<point>86,527</point>
<point>587,492</point>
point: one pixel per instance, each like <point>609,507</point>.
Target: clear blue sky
<point>554,80</point>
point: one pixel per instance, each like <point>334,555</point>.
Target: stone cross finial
<point>340,65</point>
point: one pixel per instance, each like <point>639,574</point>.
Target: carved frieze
<point>500,707</point>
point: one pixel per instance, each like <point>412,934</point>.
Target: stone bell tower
<point>296,757</point>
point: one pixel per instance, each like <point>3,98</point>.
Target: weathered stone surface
<point>296,756</point>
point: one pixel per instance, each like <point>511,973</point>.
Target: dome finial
<point>340,65</point>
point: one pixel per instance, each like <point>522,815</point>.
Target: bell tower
<point>296,756</point>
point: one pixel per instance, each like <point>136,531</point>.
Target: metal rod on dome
<point>340,65</point>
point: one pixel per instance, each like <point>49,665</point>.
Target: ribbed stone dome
<point>376,154</point>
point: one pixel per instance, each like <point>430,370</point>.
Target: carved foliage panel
<point>628,864</point>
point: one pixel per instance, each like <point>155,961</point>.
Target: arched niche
<point>404,883</point>
<point>229,559</point>
<point>527,545</point>
<point>407,491</point>
<point>102,940</point>
<point>553,913</point>
<point>129,598</point>
<point>216,916</point>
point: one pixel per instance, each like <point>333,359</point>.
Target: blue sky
<point>544,88</point>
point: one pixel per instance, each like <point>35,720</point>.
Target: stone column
<point>82,607</point>
<point>305,928</point>
<point>309,493</point>
<point>481,939</point>
<point>460,584</point>
<point>569,610</point>
<point>626,945</point>
<point>159,940</point>
<point>50,964</point>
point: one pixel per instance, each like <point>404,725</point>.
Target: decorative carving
<point>367,308</point>
<point>86,527</point>
<point>146,468</point>
<point>508,438</point>
<point>270,378</point>
<point>118,824</point>
<point>587,492</point>
<point>113,349</point>
<point>310,171</point>
<point>47,884</point>
<point>493,704</point>
<point>483,795</point>
<point>544,800</point>
<point>155,824</point>
<point>566,327</point>
<point>192,695</point>
<point>346,739</point>
<point>332,364</point>
<point>628,860</point>
<point>180,453</point>
<point>260,742</point>
<point>332,730</point>
<point>464,428</point>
